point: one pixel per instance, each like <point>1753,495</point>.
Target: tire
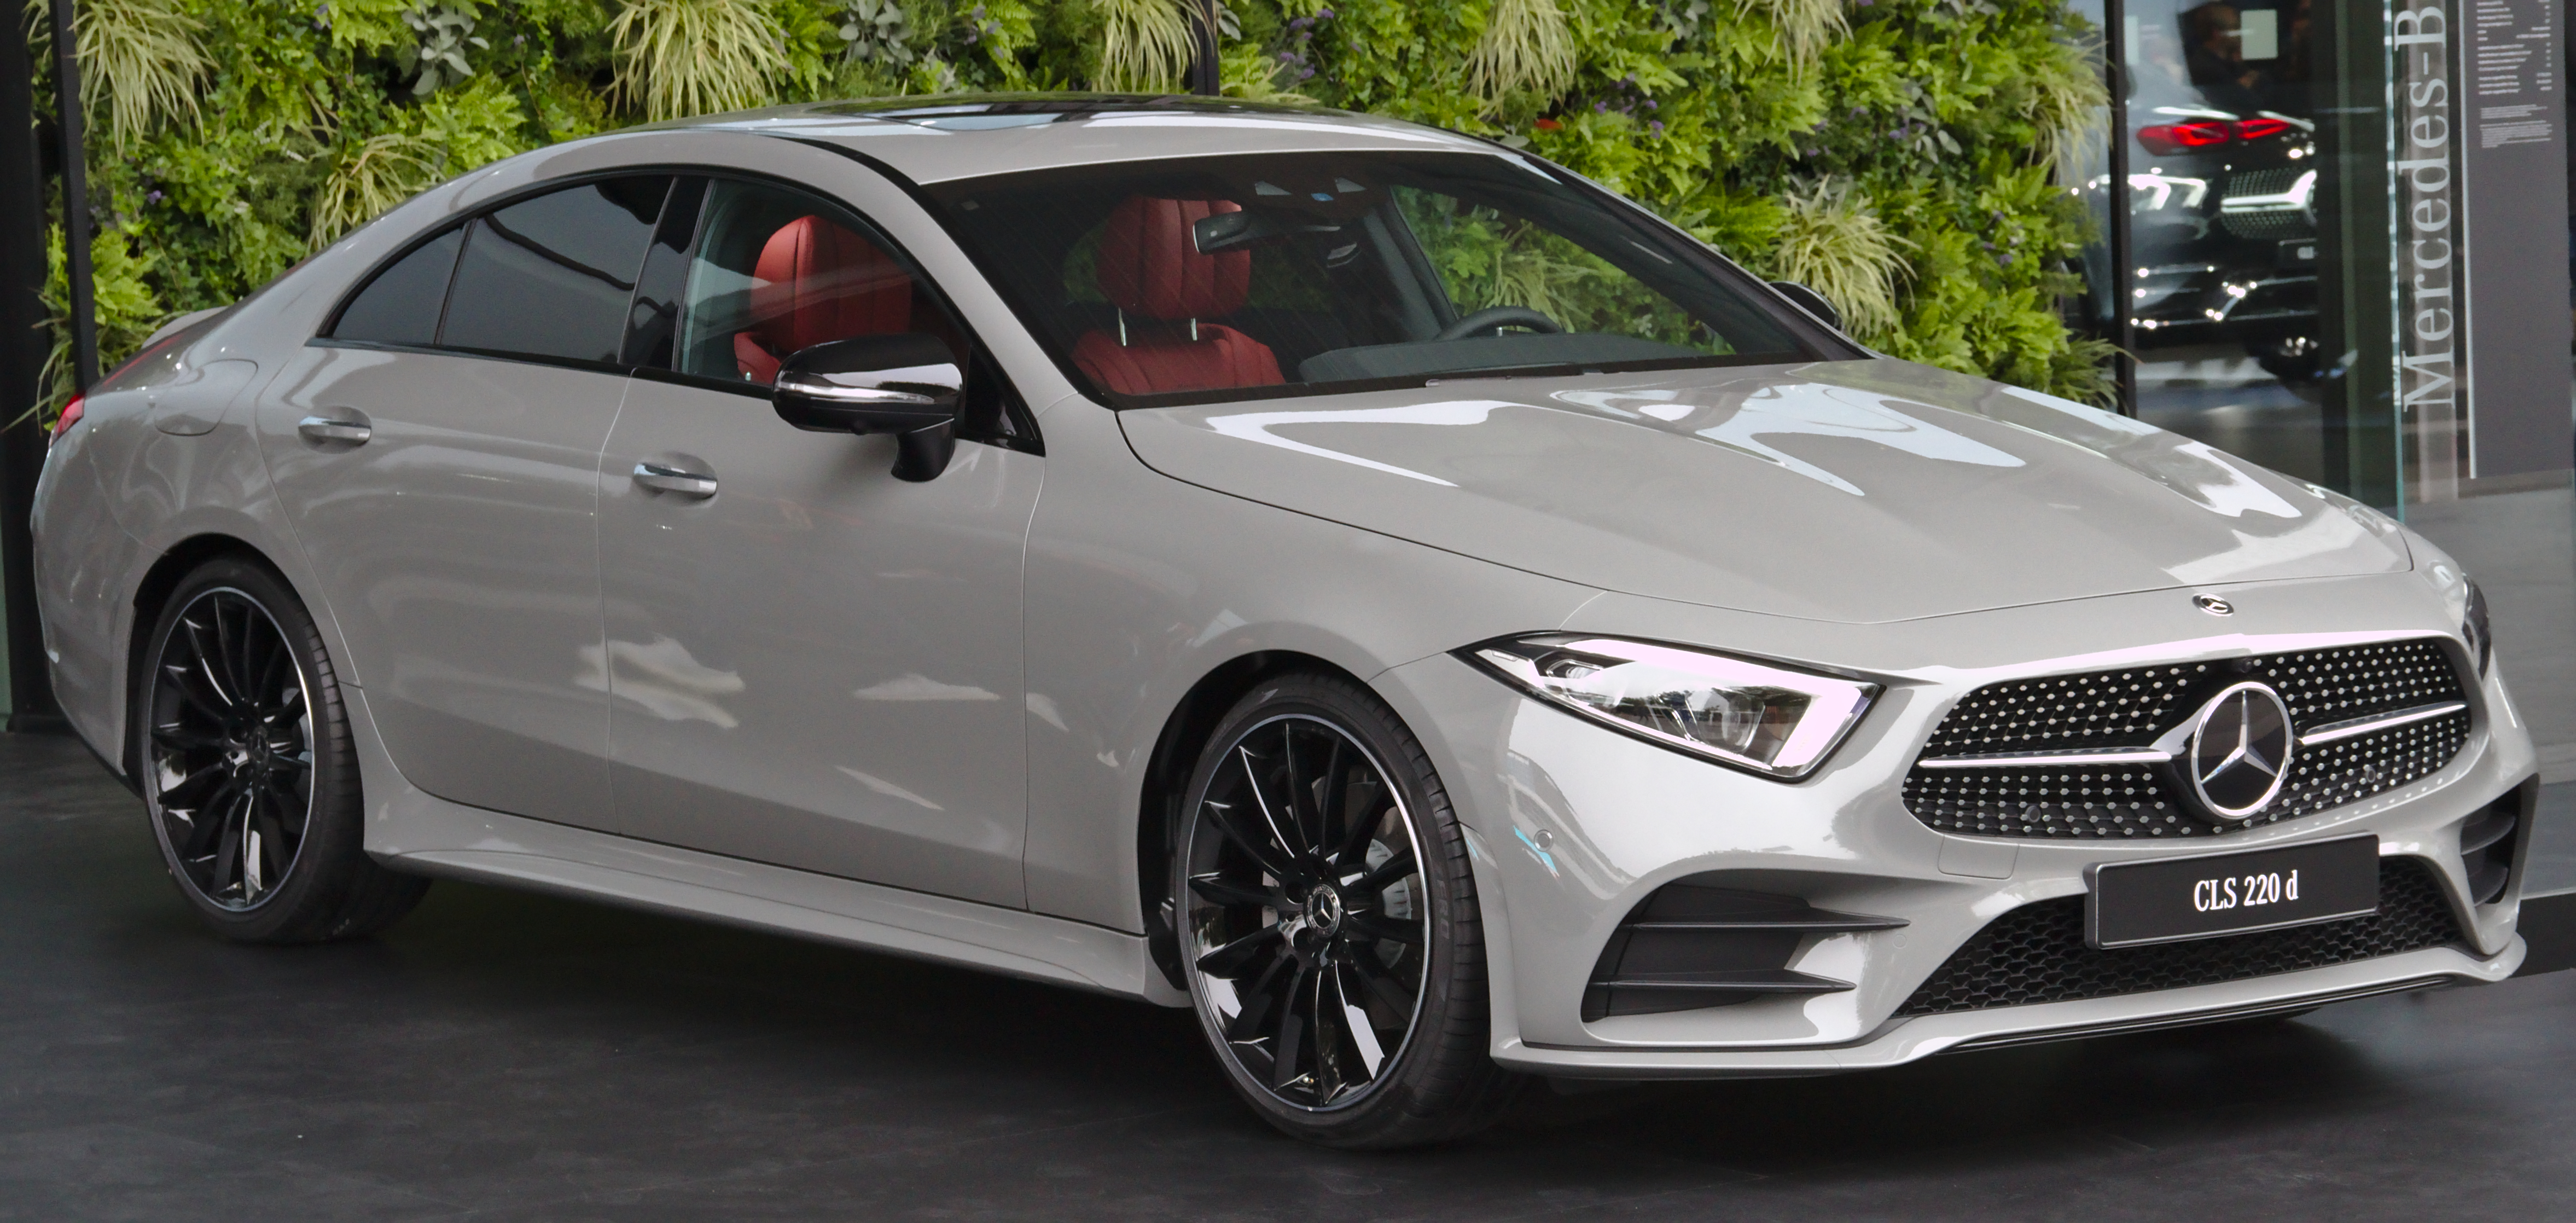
<point>1304,932</point>
<point>249,774</point>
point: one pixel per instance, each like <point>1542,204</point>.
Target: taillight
<point>63,423</point>
<point>2256,129</point>
<point>2167,139</point>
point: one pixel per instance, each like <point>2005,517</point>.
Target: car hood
<point>1855,491</point>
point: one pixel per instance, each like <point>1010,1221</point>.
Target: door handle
<point>666,478</point>
<point>330,429</point>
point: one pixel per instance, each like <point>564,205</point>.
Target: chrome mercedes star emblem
<point>2240,751</point>
<point>2213,605</point>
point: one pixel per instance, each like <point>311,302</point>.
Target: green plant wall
<point>1897,154</point>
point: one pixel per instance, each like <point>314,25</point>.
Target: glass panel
<point>2222,175</point>
<point>1328,271</point>
<point>778,271</point>
<point>400,306</point>
<point>653,321</point>
<point>551,276</point>
<point>2342,262</point>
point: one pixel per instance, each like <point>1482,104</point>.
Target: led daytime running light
<point>1749,715</point>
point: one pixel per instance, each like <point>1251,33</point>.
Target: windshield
<point>1298,273</point>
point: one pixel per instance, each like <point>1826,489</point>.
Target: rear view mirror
<point>1810,301</point>
<point>1226,231</point>
<point>907,385</point>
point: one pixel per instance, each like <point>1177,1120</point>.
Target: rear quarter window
<point>401,305</point>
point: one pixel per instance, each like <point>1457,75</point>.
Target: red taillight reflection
<point>63,423</point>
<point>2256,129</point>
<point>2167,139</point>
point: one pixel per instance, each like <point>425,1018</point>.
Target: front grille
<point>2278,219</point>
<point>2130,708</point>
<point>2037,953</point>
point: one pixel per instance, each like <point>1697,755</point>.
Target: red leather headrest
<point>1149,265</point>
<point>817,281</point>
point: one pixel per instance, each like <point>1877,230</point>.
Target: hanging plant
<point>1145,45</point>
<point>677,58</point>
<point>143,62</point>
<point>1526,48</point>
<point>1806,27</point>
<point>1831,241</point>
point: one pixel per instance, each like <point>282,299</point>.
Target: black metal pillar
<point>22,357</point>
<point>70,122</point>
<point>2115,74</point>
<point>1205,77</point>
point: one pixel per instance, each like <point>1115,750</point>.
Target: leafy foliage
<point>1897,154</point>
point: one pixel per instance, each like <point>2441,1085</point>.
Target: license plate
<point>2173,899</point>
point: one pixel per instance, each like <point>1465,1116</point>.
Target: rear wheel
<point>249,773</point>
<point>1329,930</point>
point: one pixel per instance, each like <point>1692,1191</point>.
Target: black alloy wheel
<point>230,773</point>
<point>1328,928</point>
<point>249,773</point>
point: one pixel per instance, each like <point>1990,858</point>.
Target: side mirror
<point>907,385</point>
<point>1810,301</point>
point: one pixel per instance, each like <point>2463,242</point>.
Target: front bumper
<point>1573,826</point>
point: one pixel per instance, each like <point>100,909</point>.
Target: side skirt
<point>410,830</point>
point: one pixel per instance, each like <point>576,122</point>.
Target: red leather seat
<point>1152,271</point>
<point>816,282</point>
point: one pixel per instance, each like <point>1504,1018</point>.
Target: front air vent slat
<point>1695,944</point>
<point>1746,981</point>
<point>2372,718</point>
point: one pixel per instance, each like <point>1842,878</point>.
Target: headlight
<point>1753,716</point>
<point>2475,630</point>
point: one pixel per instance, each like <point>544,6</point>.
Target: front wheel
<point>250,776</point>
<point>1330,931</point>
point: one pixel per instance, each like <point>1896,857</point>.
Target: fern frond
<point>677,58</point>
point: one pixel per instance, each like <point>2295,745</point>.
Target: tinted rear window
<point>400,306</point>
<point>552,276</point>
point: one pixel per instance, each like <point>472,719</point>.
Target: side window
<point>777,271</point>
<point>400,306</point>
<point>653,322</point>
<point>552,276</point>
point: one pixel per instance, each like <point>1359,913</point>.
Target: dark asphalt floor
<point>509,1056</point>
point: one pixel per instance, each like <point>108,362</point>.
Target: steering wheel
<point>1493,317</point>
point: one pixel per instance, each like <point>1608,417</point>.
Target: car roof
<point>941,138</point>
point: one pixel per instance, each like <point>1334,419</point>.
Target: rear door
<point>438,454</point>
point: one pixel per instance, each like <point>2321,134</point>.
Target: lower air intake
<point>2037,953</point>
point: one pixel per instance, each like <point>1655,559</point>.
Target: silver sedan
<point>1369,585</point>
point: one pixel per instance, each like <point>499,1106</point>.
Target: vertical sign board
<point>2432,373</point>
<point>2478,167</point>
<point>2513,205</point>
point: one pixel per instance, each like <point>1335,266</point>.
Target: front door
<point>437,455</point>
<point>810,662</point>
